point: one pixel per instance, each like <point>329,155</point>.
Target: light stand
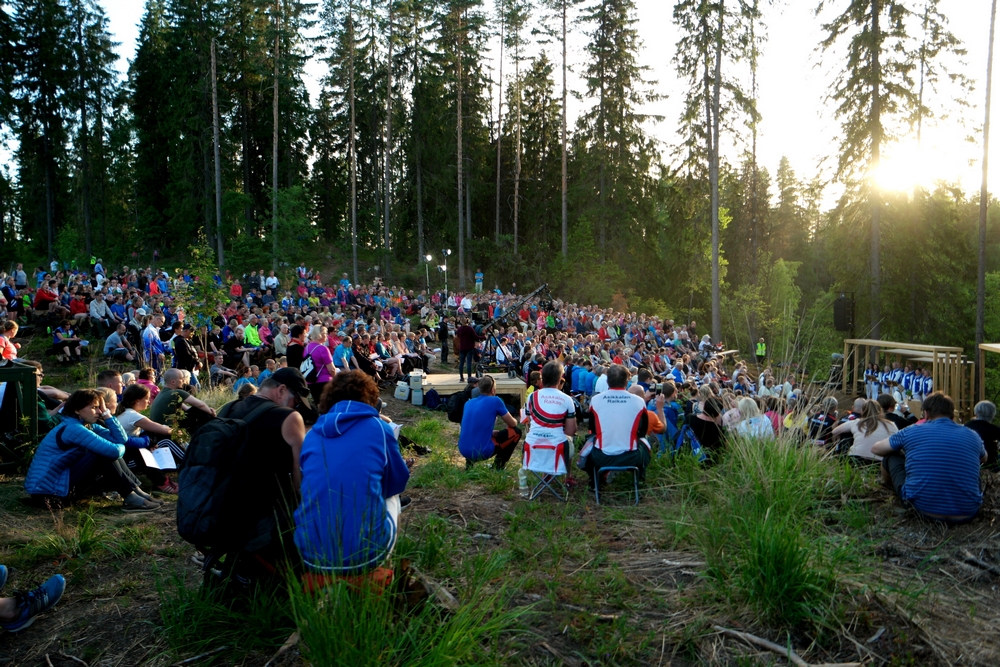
<point>444,268</point>
<point>427,272</point>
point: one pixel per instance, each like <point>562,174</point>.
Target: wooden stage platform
<point>447,383</point>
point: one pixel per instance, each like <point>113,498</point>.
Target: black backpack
<point>456,404</point>
<point>209,511</point>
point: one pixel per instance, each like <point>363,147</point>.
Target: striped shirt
<point>942,467</point>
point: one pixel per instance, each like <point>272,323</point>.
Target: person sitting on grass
<point>19,611</point>
<point>935,466</point>
<point>218,374</point>
<point>66,343</point>
<point>865,431</point>
<point>173,400</point>
<point>147,378</point>
<point>984,413</point>
<point>898,413</point>
<point>135,400</point>
<point>83,454</point>
<point>477,441</point>
<point>8,348</point>
<point>352,475</point>
<point>245,379</point>
<point>246,391</point>
<point>117,345</point>
<point>753,424</point>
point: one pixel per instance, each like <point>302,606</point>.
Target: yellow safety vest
<point>761,350</point>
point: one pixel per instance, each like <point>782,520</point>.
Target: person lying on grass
<point>934,466</point>
<point>83,456</point>
<point>352,475</point>
<point>18,612</point>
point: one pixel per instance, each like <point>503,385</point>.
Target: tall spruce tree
<point>618,155</point>
<point>715,34</point>
<point>874,88</point>
<point>43,86</point>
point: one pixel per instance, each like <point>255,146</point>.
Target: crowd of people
<point>304,362</point>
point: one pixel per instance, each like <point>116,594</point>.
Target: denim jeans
<point>464,355</point>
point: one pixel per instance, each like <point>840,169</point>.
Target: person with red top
<point>46,296</point>
<point>78,309</point>
<point>467,339</point>
<point>236,290</point>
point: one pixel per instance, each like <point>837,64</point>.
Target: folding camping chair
<point>547,464</point>
<point>599,471</point>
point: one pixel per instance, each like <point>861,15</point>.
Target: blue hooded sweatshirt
<point>350,464</point>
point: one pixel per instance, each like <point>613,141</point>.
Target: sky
<point>797,118</point>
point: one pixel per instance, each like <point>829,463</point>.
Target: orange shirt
<point>655,425</point>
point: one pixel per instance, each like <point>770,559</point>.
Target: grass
<point>782,533</point>
<point>763,536</point>
<point>198,619</point>
<point>85,540</point>
<point>341,625</point>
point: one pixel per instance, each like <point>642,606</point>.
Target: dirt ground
<point>933,599</point>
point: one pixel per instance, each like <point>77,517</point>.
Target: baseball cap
<point>294,380</point>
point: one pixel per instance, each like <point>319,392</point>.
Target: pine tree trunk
<point>247,152</point>
<point>388,149</point>
<point>218,162</point>
<point>84,137</point>
<point>206,185</point>
<point>101,190</point>
<point>713,176</point>
<point>496,231</point>
<point>875,121</point>
<point>984,199</point>
<point>458,130</point>
<point>353,146</point>
<point>565,217</point>
<point>50,204</point>
<point>416,147</point>
<point>274,147</point>
<point>517,142</point>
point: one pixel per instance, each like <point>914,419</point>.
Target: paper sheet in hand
<point>159,458</point>
<point>396,428</point>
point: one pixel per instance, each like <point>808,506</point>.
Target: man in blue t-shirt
<point>343,357</point>
<point>477,440</point>
<point>934,466</point>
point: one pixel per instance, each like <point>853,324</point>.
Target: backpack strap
<point>257,412</point>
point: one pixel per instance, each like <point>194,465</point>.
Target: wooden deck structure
<point>983,349</point>
<point>447,383</point>
<point>953,372</point>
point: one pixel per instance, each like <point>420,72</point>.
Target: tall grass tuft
<point>762,535</point>
<point>341,625</point>
<point>200,618</point>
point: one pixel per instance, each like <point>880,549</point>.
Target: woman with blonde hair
<point>753,423</point>
<point>731,417</point>
<point>872,427</point>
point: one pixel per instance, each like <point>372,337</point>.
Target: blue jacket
<point>350,464</point>
<point>66,444</point>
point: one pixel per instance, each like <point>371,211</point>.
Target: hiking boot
<point>34,602</point>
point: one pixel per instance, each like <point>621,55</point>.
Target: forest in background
<point>425,136</point>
